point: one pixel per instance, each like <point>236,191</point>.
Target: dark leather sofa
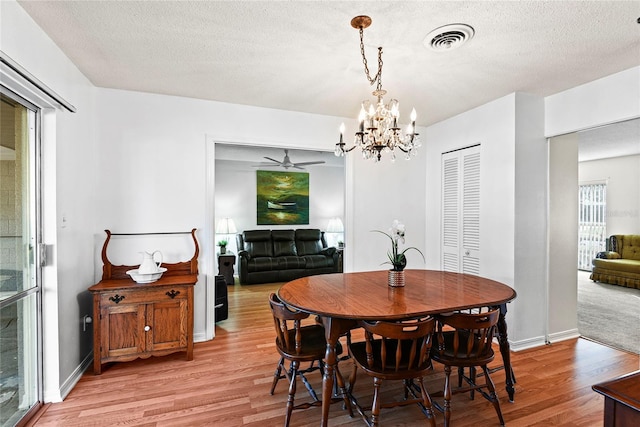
<point>266,256</point>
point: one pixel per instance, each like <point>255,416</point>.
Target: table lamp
<point>225,227</point>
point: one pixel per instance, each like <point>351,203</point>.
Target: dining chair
<point>300,344</point>
<point>464,340</point>
<point>394,351</point>
<point>472,370</point>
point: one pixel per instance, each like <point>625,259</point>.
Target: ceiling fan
<point>287,163</point>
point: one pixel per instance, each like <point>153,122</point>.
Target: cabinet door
<point>168,325</point>
<point>122,329</point>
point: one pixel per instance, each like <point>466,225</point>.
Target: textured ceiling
<point>305,56</point>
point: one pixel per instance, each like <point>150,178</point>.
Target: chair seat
<point>462,358</point>
<point>312,347</point>
<point>392,370</point>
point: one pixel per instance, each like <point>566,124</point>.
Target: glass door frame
<point>36,248</point>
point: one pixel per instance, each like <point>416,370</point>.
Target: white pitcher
<point>149,265</point>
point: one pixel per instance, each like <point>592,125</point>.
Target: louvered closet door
<point>461,210</point>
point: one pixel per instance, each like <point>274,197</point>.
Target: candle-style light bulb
<point>413,116</point>
<point>361,117</point>
<point>395,112</point>
<point>372,114</point>
<point>341,132</point>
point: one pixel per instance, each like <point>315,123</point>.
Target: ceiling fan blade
<point>267,165</point>
<point>309,163</point>
<point>274,160</point>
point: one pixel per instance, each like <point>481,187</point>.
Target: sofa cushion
<point>258,243</point>
<point>262,264</point>
<point>317,261</point>
<point>308,241</point>
<point>290,262</point>
<point>626,265</point>
<point>629,248</point>
<point>284,243</point>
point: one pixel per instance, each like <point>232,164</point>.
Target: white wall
<point>377,194</point>
<point>607,100</point>
<point>563,237</point>
<point>235,196</point>
<point>513,194</point>
<point>68,190</point>
<point>530,258</point>
<point>622,175</point>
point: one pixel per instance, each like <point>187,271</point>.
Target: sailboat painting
<point>282,198</point>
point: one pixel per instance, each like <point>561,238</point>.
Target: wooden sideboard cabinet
<point>133,320</point>
<point>621,400</point>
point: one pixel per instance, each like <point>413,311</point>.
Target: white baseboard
<point>201,337</point>
<point>527,344</point>
<point>540,341</point>
<point>564,335</point>
<point>54,396</point>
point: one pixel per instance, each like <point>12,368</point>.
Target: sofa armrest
<point>608,255</point>
<point>328,251</point>
<point>243,266</point>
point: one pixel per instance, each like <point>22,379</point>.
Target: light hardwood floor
<point>227,384</point>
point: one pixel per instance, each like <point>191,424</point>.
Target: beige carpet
<point>609,314</point>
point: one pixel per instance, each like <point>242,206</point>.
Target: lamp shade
<point>226,226</point>
<point>335,226</point>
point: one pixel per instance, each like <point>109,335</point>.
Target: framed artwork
<point>282,198</point>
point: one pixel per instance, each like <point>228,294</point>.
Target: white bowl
<point>146,278</point>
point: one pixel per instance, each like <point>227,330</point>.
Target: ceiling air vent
<point>448,37</point>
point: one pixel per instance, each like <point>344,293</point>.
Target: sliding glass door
<point>20,343</point>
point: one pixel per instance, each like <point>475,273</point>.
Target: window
<point>592,223</point>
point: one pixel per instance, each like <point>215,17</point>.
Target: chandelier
<point>378,129</point>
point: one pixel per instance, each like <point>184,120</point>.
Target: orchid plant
<point>396,258</point>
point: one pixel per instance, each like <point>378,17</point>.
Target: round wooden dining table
<point>344,298</point>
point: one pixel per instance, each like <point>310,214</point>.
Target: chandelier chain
<point>378,76</point>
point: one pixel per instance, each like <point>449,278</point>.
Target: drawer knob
<point>116,298</point>
<point>147,328</point>
<point>172,294</point>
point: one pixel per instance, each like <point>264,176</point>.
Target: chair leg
<point>375,407</point>
<point>339,380</point>
<point>472,377</point>
<point>277,374</point>
<point>292,392</point>
<point>352,378</point>
<point>447,395</point>
<point>426,401</point>
<point>492,394</point>
<point>310,389</point>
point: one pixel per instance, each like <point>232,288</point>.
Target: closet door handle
<point>147,328</point>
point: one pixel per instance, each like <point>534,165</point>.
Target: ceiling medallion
<point>378,129</point>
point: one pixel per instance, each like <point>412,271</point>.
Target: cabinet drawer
<point>143,295</point>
